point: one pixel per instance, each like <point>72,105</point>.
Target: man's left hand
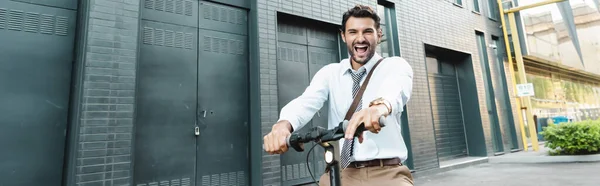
<point>370,117</point>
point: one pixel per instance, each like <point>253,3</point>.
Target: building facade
<point>181,92</point>
<point>565,83</point>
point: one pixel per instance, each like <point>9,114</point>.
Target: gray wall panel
<point>35,81</point>
<point>180,12</point>
<point>67,4</point>
<point>223,18</point>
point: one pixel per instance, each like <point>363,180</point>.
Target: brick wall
<point>105,146</point>
<point>439,23</point>
<point>446,25</point>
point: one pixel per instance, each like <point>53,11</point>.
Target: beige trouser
<point>396,175</point>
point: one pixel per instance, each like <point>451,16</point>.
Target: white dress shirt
<point>392,80</point>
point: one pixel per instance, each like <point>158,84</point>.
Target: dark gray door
<point>192,107</point>
<point>303,49</point>
<point>446,107</point>
<point>165,148</point>
<point>318,58</point>
<point>322,50</point>
<point>292,79</point>
<point>223,115</point>
<point>35,81</point>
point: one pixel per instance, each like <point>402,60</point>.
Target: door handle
<point>204,113</point>
<point>319,113</point>
<point>197,131</point>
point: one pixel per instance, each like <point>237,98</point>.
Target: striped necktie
<point>348,144</point>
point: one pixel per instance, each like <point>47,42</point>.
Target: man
<point>375,157</point>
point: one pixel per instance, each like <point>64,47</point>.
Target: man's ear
<point>379,35</point>
<point>343,36</point>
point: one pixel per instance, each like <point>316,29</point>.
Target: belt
<point>377,162</point>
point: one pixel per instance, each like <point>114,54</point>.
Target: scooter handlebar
<point>296,140</point>
<point>317,134</point>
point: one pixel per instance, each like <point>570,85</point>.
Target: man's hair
<point>360,11</point>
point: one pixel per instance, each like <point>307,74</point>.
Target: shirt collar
<point>346,64</point>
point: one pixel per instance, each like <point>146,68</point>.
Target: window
<point>476,6</point>
<point>432,64</point>
<point>386,47</point>
<point>493,11</point>
<point>458,2</point>
<point>497,50</point>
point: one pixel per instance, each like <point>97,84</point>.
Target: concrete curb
<point>546,159</point>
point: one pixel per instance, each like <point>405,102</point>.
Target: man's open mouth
<point>361,49</point>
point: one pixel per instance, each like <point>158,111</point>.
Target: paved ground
<point>563,174</point>
<point>542,156</point>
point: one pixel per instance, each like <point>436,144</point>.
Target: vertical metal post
<point>256,137</point>
<point>523,80</point>
<point>512,75</point>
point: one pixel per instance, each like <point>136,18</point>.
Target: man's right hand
<point>274,142</point>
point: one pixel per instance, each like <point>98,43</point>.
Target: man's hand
<point>274,142</point>
<point>370,117</point>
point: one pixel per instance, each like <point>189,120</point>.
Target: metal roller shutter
<point>447,112</point>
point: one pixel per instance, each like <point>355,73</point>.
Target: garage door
<point>446,107</point>
<point>36,44</point>
<point>192,112</point>
<point>302,51</point>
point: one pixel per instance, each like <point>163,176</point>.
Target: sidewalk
<point>542,156</point>
<point>522,168</point>
<point>488,174</point>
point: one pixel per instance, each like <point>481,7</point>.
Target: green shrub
<point>576,138</point>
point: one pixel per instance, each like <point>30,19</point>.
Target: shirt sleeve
<point>397,84</point>
<point>302,109</point>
